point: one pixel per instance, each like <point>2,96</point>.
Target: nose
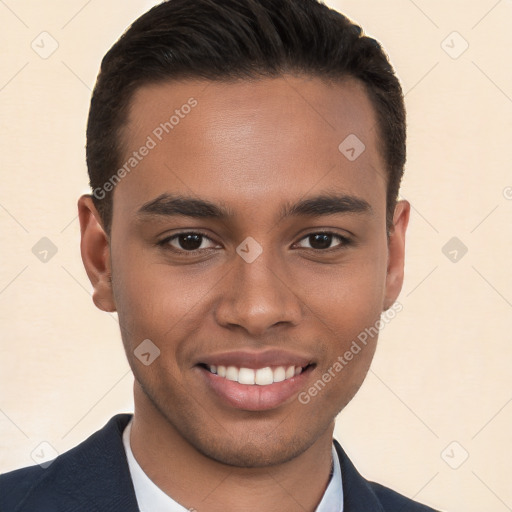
<point>258,296</point>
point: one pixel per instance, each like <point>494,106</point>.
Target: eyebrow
<point>168,205</point>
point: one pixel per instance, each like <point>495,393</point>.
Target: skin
<point>252,146</point>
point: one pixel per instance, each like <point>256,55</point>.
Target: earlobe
<point>396,253</point>
<point>95,250</point>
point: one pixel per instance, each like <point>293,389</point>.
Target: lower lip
<point>255,397</point>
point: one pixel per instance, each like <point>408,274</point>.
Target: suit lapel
<point>358,496</point>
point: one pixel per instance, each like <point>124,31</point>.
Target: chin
<point>257,453</point>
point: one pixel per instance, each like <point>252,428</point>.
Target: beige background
<point>442,370</point>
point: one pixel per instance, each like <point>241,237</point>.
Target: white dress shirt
<point>151,498</point>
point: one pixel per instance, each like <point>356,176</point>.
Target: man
<point>245,158</point>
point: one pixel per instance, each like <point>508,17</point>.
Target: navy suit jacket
<point>94,477</point>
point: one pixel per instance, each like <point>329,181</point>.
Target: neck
<point>206,485</point>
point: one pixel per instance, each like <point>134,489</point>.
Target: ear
<point>396,253</point>
<point>95,250</point>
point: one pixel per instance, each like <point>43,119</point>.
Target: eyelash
<point>344,242</point>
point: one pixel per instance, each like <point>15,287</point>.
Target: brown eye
<point>320,241</point>
<point>188,242</point>
<point>323,241</point>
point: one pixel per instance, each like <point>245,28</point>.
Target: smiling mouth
<point>256,377</point>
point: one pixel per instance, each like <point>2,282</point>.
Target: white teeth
<point>264,376</point>
<point>246,376</point>
<point>279,374</point>
<point>261,376</point>
<point>232,373</point>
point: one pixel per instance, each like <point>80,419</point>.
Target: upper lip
<point>256,359</point>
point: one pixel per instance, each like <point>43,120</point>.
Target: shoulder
<point>361,494</point>
<point>393,501</point>
<point>16,484</point>
<point>87,473</point>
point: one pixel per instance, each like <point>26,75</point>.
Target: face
<point>251,251</point>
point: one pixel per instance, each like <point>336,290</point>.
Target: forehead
<point>251,142</point>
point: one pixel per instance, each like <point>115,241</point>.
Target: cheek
<point>346,305</point>
<point>155,300</point>
<point>347,298</point>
